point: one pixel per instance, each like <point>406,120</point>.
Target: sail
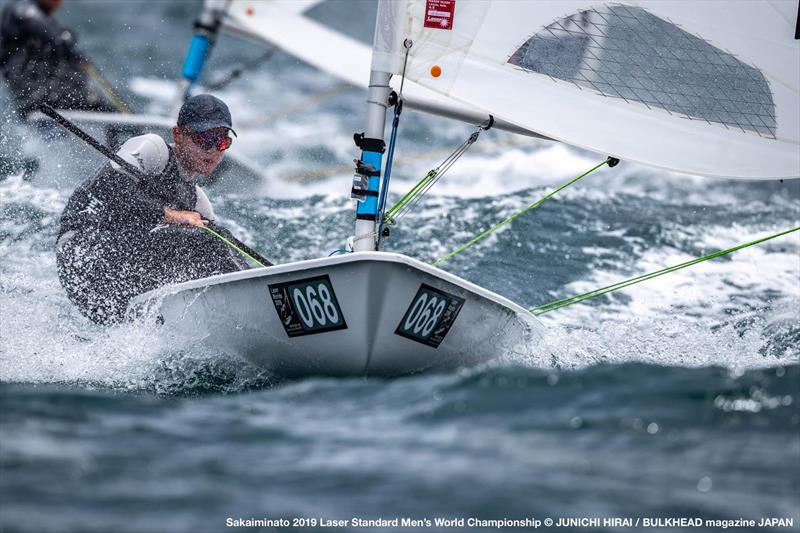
<point>284,23</point>
<point>705,87</point>
<point>308,30</point>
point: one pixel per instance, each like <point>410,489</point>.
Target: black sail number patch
<point>307,306</point>
<point>430,316</point>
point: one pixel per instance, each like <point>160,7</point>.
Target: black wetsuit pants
<point>102,270</point>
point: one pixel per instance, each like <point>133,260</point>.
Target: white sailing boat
<point>683,86</point>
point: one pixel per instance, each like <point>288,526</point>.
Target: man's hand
<point>183,218</point>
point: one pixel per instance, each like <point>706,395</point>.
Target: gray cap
<point>205,112</point>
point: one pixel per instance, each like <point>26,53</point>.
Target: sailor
<point>40,61</point>
<point>121,236</point>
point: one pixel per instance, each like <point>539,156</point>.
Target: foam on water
<point>684,385</point>
<point>726,312</point>
<point>45,340</point>
<point>617,223</point>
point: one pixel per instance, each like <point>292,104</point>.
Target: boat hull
<point>362,314</point>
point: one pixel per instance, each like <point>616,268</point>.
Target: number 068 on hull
<point>362,314</point>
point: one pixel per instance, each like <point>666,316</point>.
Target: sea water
<point>673,400</point>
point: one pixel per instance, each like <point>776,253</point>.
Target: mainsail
<point>704,87</point>
<point>289,25</point>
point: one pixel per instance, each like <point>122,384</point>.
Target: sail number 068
<point>424,314</point>
<point>430,315</point>
<point>315,306</point>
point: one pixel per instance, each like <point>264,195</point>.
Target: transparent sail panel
<point>625,52</point>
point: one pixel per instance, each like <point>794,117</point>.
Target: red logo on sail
<point>439,14</point>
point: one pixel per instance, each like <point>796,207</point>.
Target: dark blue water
<point>610,440</point>
<point>675,398</point>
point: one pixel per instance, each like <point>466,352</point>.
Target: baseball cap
<point>204,112</point>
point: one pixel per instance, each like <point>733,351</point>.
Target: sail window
<point>626,52</point>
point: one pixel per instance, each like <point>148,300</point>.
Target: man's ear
<point>176,133</point>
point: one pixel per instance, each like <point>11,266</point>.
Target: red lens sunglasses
<point>210,139</point>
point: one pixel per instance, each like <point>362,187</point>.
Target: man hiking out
<point>121,236</point>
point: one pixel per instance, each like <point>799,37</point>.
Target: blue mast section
<point>205,35</point>
<point>199,49</point>
<point>368,208</point>
<point>367,181</point>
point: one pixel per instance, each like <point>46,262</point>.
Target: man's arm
<point>184,218</point>
<point>150,154</point>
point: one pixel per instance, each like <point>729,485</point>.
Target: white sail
<point>283,24</point>
<point>705,87</point>
<point>287,25</point>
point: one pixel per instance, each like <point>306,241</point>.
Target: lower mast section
<point>367,181</point>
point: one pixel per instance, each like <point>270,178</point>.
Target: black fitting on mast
<point>211,28</point>
<point>360,189</point>
<point>366,169</point>
<point>612,162</point>
<point>369,145</point>
<point>209,21</point>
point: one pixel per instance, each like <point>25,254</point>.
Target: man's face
<point>199,153</point>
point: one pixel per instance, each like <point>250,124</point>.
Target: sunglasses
<point>210,139</point>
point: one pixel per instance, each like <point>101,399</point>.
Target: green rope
<point>564,302</point>
<point>407,197</point>
<point>518,213</point>
<point>229,243</point>
<point>429,179</point>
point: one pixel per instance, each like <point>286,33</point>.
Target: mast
<point>205,36</point>
<point>367,180</point>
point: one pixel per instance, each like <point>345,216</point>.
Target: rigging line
<point>232,245</point>
<point>497,226</point>
<point>398,109</point>
<point>111,93</point>
<point>427,181</point>
<point>411,198</point>
<point>430,183</point>
<point>564,302</point>
<point>407,44</point>
<point>387,173</point>
<point>447,165</point>
<point>398,208</point>
<point>234,74</point>
<point>422,187</point>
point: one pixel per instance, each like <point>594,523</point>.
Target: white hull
<point>369,313</point>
